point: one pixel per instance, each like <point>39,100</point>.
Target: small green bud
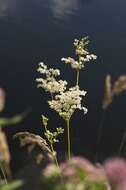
<point>45,120</point>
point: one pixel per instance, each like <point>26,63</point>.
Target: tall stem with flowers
<point>66,100</point>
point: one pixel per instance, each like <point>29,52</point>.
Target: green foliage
<point>82,43</point>
<point>52,136</point>
<point>13,120</point>
<point>12,185</point>
<point>96,186</point>
<point>45,120</point>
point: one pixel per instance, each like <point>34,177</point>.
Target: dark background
<point>43,30</point>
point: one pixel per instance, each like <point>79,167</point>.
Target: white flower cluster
<point>82,52</point>
<point>67,102</point>
<point>74,64</point>
<point>49,83</point>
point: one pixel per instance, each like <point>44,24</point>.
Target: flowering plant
<point>80,174</point>
<point>66,100</point>
<point>76,173</point>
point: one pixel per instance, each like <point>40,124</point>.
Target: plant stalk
<point>54,156</point>
<point>68,140</point>
<point>3,173</point>
<point>77,80</point>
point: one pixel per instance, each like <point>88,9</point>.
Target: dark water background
<point>43,30</point>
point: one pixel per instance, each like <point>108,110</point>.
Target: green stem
<point>122,142</point>
<point>54,156</point>
<point>0,178</point>
<point>57,164</point>
<point>51,95</point>
<point>68,139</point>
<point>3,173</point>
<point>77,80</point>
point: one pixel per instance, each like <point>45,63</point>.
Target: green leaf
<point>12,185</point>
<point>13,120</point>
<point>45,120</point>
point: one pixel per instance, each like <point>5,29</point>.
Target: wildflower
<point>93,173</point>
<point>116,172</point>
<point>51,171</point>
<point>68,171</point>
<point>67,102</point>
<point>79,170</point>
<point>74,64</point>
<point>82,52</point>
<point>76,165</point>
<point>50,82</point>
<point>82,163</point>
<point>42,68</point>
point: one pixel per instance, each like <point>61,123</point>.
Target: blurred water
<point>43,30</point>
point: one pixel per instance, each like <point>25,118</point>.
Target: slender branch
<point>57,164</point>
<point>52,150</point>
<point>68,140</point>
<point>54,156</point>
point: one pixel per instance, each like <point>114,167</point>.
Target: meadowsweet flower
<point>50,83</point>
<point>83,54</point>
<point>42,68</point>
<point>67,102</point>
<point>74,64</point>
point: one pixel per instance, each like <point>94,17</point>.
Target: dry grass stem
<point>111,91</point>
